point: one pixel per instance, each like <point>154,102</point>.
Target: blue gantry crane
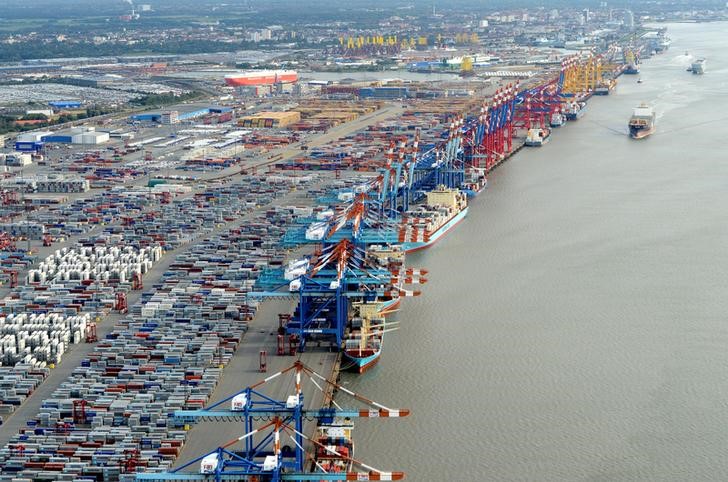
<point>327,284</point>
<point>262,457</point>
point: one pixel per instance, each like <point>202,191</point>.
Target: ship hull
<point>572,116</point>
<point>472,192</point>
<point>362,364</point>
<point>253,80</point>
<point>390,305</point>
<point>537,143</point>
<point>641,133</point>
<point>411,247</point>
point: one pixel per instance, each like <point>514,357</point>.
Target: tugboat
<point>642,122</point>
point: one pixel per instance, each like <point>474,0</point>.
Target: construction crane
<point>261,457</point>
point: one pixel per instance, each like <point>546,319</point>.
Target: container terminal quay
<point>182,286</point>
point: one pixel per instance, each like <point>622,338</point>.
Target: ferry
<point>642,122</point>
<point>575,110</point>
<point>363,343</point>
<point>537,137</point>
<point>424,226</point>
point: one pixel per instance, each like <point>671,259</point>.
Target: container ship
<point>335,447</point>
<point>642,122</point>
<point>557,119</point>
<point>363,344</point>
<point>632,69</point>
<point>698,67</point>
<point>605,87</point>
<point>575,110</point>
<point>422,227</point>
<point>475,181</point>
<point>537,137</point>
<point>392,258</point>
<point>261,77</point>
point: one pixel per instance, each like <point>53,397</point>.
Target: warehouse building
<point>65,104</point>
<point>389,93</point>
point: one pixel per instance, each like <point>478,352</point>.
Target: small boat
<point>538,137</point>
<point>642,122</point>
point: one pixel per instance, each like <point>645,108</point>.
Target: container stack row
<point>113,415</point>
<point>98,264</point>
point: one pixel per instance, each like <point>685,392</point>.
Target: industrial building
<point>176,116</point>
<point>17,159</point>
<point>384,93</point>
<point>65,104</point>
<point>32,141</point>
<point>270,119</point>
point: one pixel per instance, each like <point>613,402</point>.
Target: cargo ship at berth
<point>261,77</point>
<point>632,69</point>
<point>335,447</point>
<point>557,119</point>
<point>575,110</point>
<point>538,137</point>
<point>363,344</point>
<point>424,226</point>
<point>642,122</point>
<point>475,181</point>
<point>605,87</point>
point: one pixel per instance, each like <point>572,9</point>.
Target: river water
<point>575,325</point>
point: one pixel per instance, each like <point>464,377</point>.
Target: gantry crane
<point>325,287</point>
<point>261,456</point>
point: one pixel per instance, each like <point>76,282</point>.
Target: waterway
<point>575,326</point>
